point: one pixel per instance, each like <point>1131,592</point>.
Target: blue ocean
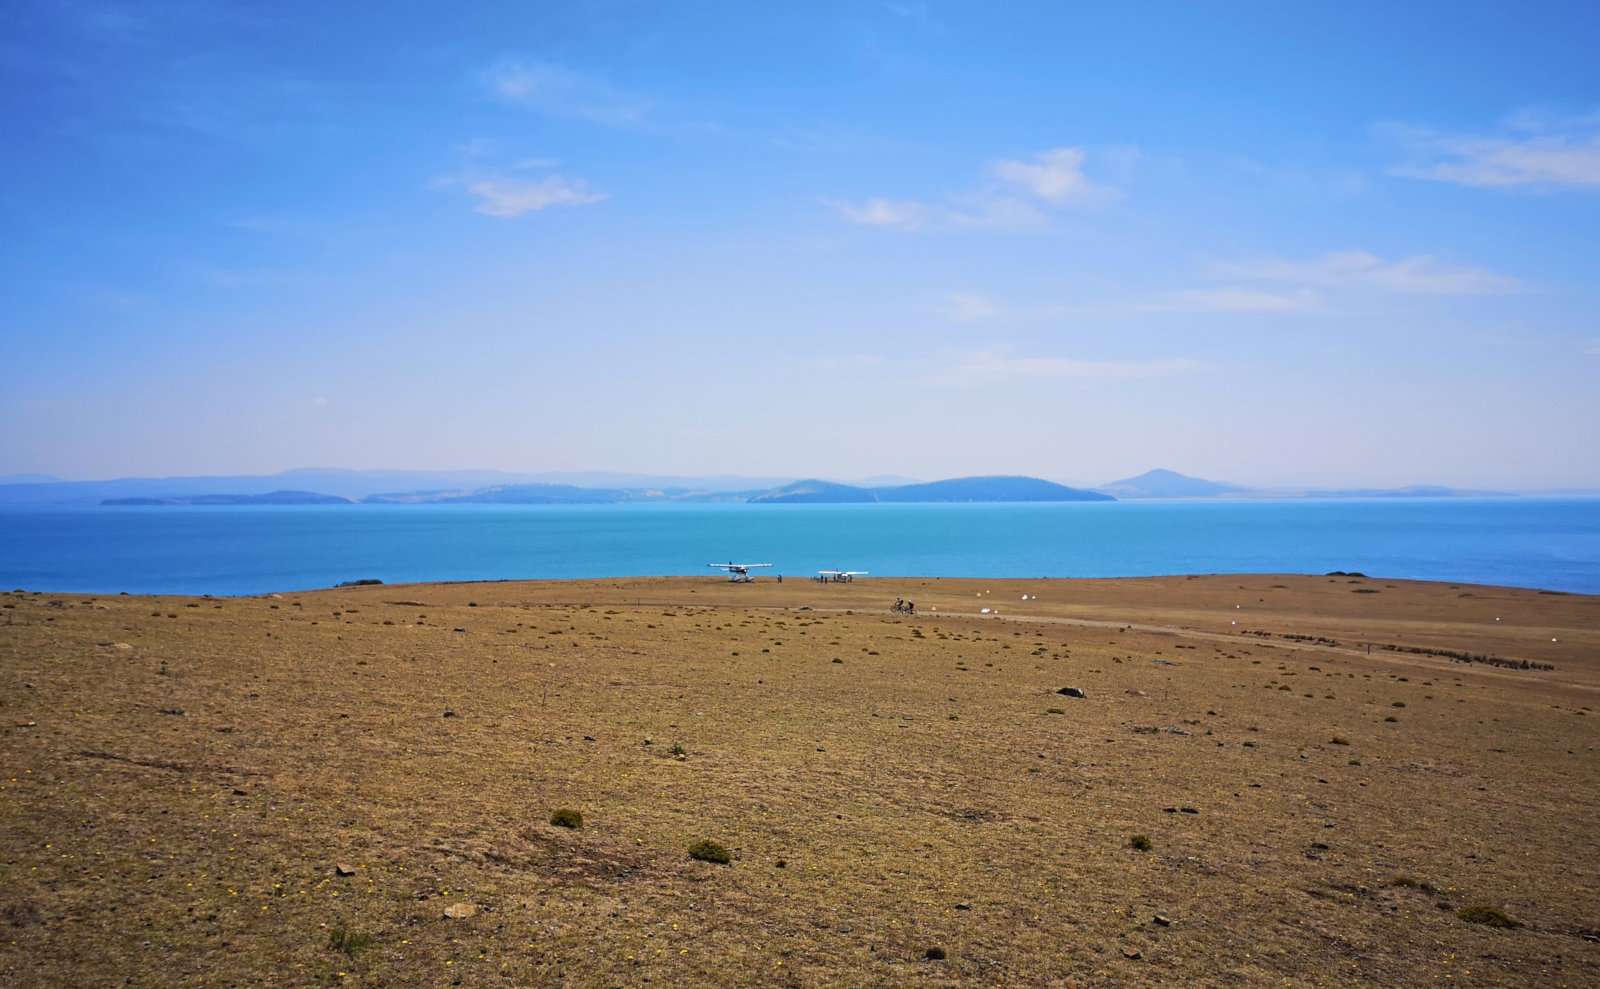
<point>1527,542</point>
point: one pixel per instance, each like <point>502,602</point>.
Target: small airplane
<point>839,576</point>
<point>739,573</point>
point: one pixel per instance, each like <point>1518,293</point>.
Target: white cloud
<point>1536,150</point>
<point>896,214</point>
<point>840,362</point>
<point>508,191</point>
<point>969,307</point>
<point>506,197</point>
<point>563,92</point>
<point>1055,177</point>
<point>1237,300</point>
<point>973,212</point>
<point>1418,275</point>
<point>1015,198</point>
<point>998,365</point>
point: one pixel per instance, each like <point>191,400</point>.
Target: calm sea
<point>1530,542</point>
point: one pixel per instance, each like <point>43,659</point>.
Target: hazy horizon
<point>1352,246</point>
<point>645,479</point>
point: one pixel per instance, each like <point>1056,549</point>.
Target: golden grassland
<point>356,786</point>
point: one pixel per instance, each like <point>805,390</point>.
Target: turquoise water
<point>1547,543</point>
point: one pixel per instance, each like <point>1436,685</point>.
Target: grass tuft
<point>1140,843</point>
<point>1489,916</point>
<point>350,942</point>
<point>707,850</point>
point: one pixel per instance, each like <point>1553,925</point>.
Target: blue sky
<point>1273,243</point>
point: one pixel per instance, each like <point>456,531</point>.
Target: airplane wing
<point>855,573</point>
<point>830,573</point>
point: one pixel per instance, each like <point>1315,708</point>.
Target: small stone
<point>1132,954</point>
<point>1161,921</point>
<point>460,911</point>
<point>1072,692</point>
<point>343,870</point>
<point>122,646</point>
<point>449,713</point>
<point>1188,810</point>
<point>963,906</point>
<point>935,954</point>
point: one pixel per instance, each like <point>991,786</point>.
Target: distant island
<point>961,489</point>
<point>321,486</point>
<point>1162,484</point>
<point>270,498</point>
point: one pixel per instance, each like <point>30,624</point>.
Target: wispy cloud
<point>509,191</point>
<point>897,214</point>
<point>1055,177</point>
<point>564,92</point>
<point>969,307</point>
<point>1000,364</point>
<point>1418,275</point>
<point>1017,196</point>
<point>1530,150</point>
<point>972,212</point>
<point>516,197</point>
<point>1235,300</point>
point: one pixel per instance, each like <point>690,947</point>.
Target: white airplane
<point>739,573</point>
<point>839,576</point>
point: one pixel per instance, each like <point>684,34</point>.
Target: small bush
<point>1411,882</point>
<point>678,749</point>
<point>1140,843</point>
<point>1490,916</point>
<point>707,850</point>
<point>348,941</point>
<point>934,954</point>
<point>567,818</point>
<point>1054,710</point>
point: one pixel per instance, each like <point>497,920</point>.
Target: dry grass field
<point>356,786</point>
